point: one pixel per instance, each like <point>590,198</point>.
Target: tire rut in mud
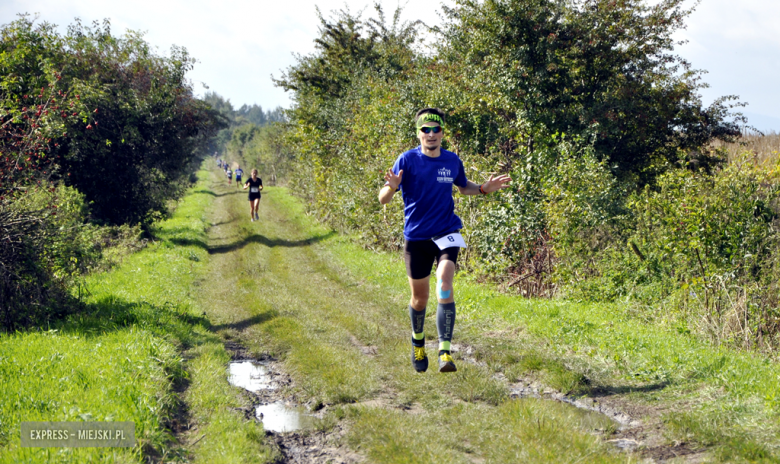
<point>302,446</point>
<point>637,432</point>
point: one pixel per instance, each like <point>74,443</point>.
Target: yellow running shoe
<point>419,358</point>
<point>446,364</point>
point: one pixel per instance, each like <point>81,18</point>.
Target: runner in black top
<point>254,184</point>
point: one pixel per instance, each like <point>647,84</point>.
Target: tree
<point>146,131</point>
<point>35,108</point>
<point>602,70</point>
<point>109,119</point>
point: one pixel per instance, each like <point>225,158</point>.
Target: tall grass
<point>765,147</point>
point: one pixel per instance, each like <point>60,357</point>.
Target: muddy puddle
<point>276,415</point>
<point>249,375</point>
<point>284,417</point>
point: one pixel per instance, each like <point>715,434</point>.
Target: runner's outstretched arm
<point>494,183</point>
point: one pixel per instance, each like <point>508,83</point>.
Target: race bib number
<point>449,241</point>
<point>254,189</point>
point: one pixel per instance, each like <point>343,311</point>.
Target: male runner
<point>426,175</point>
<point>229,175</point>
<point>239,173</point>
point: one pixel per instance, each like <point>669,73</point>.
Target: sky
<point>239,44</point>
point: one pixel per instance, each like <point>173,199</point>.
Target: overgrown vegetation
<point>95,130</point>
<point>618,192</point>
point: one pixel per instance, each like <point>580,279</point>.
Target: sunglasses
<point>428,129</point>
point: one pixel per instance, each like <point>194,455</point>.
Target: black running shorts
<point>419,256</point>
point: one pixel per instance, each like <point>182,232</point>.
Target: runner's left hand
<point>495,183</point>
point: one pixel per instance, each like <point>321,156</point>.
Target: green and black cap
<point>429,117</point>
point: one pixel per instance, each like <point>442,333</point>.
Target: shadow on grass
<point>189,242</point>
<point>263,240</point>
<point>112,313</point>
<point>209,192</point>
<point>248,322</point>
<point>221,223</point>
<point>605,390</point>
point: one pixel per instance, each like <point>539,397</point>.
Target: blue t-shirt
<point>239,172</point>
<point>429,209</point>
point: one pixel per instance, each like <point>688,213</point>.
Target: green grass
<point>335,316</point>
<point>301,305</point>
<point>516,431</point>
<point>720,398</point>
<point>70,376</point>
<point>123,358</point>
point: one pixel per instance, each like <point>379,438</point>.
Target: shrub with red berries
<point>76,110</point>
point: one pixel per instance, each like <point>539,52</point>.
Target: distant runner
<point>255,184</point>
<point>239,172</point>
<point>229,175</point>
<point>426,175</point>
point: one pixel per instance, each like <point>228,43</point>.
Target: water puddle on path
<point>283,417</point>
<point>277,416</point>
<point>249,375</point>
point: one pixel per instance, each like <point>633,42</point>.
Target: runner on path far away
<point>425,176</point>
<point>255,184</point>
<point>239,173</point>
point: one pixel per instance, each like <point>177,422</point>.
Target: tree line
<point>255,136</point>
<point>617,193</point>
<point>98,133</point>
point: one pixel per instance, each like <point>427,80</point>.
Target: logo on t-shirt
<point>445,175</point>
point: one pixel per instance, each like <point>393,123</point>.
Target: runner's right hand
<point>392,179</point>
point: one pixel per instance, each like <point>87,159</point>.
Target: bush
<point>697,250</point>
<point>713,241</point>
<point>47,246</point>
<point>145,132</point>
